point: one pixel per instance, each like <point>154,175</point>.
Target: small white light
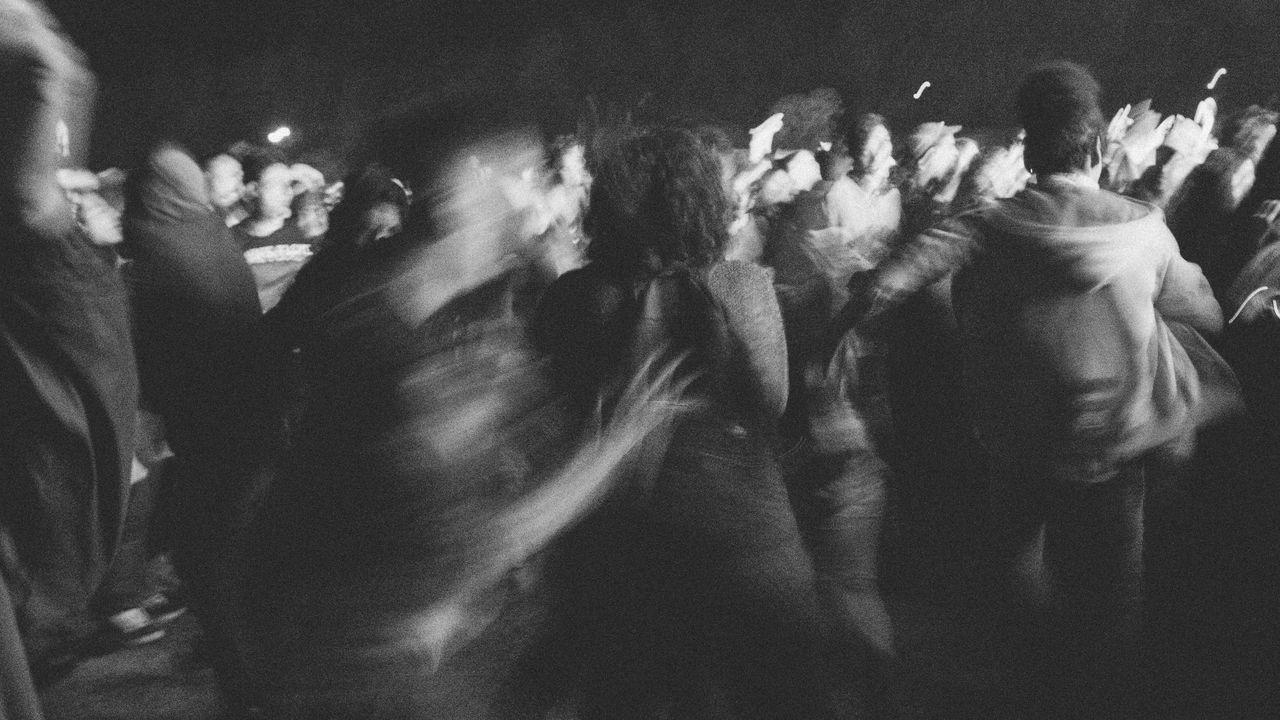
<point>279,135</point>
<point>1216,76</point>
<point>923,85</point>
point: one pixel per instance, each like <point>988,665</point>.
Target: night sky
<point>208,72</point>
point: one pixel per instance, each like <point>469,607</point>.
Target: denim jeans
<point>1071,554</point>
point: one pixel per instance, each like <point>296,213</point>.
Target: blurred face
<point>99,220</point>
<point>225,180</point>
<point>573,167</point>
<point>776,188</point>
<point>804,171</point>
<point>313,219</point>
<point>1241,183</point>
<point>274,191</point>
<point>939,160</point>
<point>877,156</point>
<point>491,193</point>
<point>383,220</point>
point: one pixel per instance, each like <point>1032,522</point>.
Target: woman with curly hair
<point>698,577</point>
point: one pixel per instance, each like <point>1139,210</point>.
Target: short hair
<point>1059,106</point>
<point>657,201</point>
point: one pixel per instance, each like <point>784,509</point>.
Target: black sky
<point>208,72</point>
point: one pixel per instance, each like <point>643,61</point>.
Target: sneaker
<point>163,608</point>
<point>129,628</point>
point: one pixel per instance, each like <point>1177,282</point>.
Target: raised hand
<point>762,137</point>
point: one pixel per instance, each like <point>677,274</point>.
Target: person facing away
<point>1068,299</point>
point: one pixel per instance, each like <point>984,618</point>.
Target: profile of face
<point>383,220</point>
<point>100,221</point>
<point>224,177</point>
<point>273,192</point>
<point>1241,183</point>
<point>804,171</point>
<point>573,167</point>
<point>877,156</point>
<point>313,219</point>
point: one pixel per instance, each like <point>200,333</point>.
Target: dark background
<point>208,72</point>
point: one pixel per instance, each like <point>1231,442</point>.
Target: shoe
<point>130,628</point>
<point>163,608</point>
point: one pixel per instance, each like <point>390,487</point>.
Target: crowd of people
<point>686,389</point>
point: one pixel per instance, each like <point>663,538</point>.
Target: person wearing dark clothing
<point>698,577</point>
<point>1077,316</point>
<point>198,318</point>
<point>68,385</point>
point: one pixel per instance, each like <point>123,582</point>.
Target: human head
<point>569,161</point>
<point>1230,174</point>
<point>373,206</point>
<point>310,213</point>
<point>1250,131</point>
<point>271,191</point>
<point>1059,106</point>
<point>169,187</point>
<point>803,168</point>
<point>657,200</point>
<point>224,177</point>
<point>99,221</point>
<point>834,163</point>
<point>933,151</point>
<point>871,148</point>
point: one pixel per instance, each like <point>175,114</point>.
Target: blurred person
<point>834,429</point>
<point>198,339</point>
<point>1202,217</point>
<point>870,207</point>
<point>1252,132</point>
<point>68,384</point>
<point>697,575</point>
<point>1178,155</point>
<point>224,176</point>
<point>938,467</point>
<point>1080,323</point>
<point>274,245</point>
<point>997,173</point>
<point>433,458</point>
<point>933,159</point>
<point>312,215</point>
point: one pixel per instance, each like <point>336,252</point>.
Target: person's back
<point>1067,357</point>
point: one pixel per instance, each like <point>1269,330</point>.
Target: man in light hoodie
<point>1068,299</point>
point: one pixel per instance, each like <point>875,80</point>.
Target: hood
<point>170,188</point>
<point>1082,235</point>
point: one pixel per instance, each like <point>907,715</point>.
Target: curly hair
<point>657,201</point>
<point>1059,105</point>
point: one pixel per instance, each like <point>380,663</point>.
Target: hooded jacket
<point>1064,312</point>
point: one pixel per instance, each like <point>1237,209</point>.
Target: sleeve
<point>928,257</point>
<point>1185,295</point>
<point>755,318</point>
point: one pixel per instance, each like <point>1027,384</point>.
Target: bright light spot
<point>923,85</point>
<point>279,135</point>
<point>1214,82</point>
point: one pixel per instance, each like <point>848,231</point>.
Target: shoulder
<point>739,275</point>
